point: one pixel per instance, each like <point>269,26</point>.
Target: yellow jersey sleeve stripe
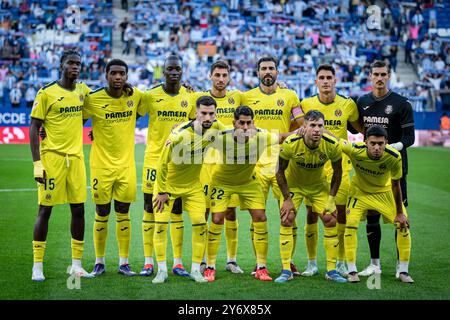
<point>328,139</point>
<point>392,153</point>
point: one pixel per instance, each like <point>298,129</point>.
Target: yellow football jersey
<point>165,112</point>
<point>224,113</point>
<point>113,127</point>
<point>182,156</point>
<point>306,166</point>
<point>373,176</point>
<point>336,113</point>
<point>225,105</point>
<point>273,111</point>
<point>62,113</point>
<point>238,160</point>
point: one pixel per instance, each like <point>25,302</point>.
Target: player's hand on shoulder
<point>282,85</point>
<point>128,89</point>
<point>189,87</point>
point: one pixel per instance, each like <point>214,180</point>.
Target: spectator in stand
<point>30,94</point>
<point>15,96</point>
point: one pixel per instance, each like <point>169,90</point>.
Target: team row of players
<point>114,113</point>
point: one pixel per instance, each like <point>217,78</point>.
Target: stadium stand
<point>300,34</point>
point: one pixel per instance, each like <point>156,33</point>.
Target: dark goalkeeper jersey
<point>394,113</point>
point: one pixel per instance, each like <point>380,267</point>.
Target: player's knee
<point>260,217</point>
<point>44,212</point>
<point>121,207</point>
<point>77,209</point>
<point>230,214</point>
<point>217,218</point>
<point>311,217</point>
<point>341,216</point>
<point>103,209</point>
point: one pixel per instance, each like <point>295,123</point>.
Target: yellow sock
<point>100,235</point>
<point>214,235</point>
<point>286,245</point>
<point>351,242</point>
<point>148,228</point>
<point>311,239</point>
<point>403,243</point>
<point>39,251</point>
<point>123,233</point>
<point>231,236</point>
<point>176,234</point>
<point>294,238</point>
<point>341,246</point>
<point>199,238</point>
<point>77,249</point>
<point>331,243</point>
<point>261,240</point>
<point>160,240</point>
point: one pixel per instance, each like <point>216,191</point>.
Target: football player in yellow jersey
<point>178,177</point>
<point>168,105</point>
<point>304,159</point>
<point>112,164</point>
<point>58,160</point>
<point>338,111</point>
<point>277,110</point>
<point>376,186</point>
<point>240,149</point>
<point>227,101</point>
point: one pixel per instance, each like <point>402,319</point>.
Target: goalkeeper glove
<point>397,146</point>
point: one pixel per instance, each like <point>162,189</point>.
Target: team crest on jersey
<point>96,195</point>
<point>48,196</point>
<point>382,167</point>
<point>149,185</point>
<point>231,100</point>
<point>388,109</point>
<point>130,103</point>
<point>280,102</point>
<point>211,139</point>
<point>213,203</point>
<point>338,113</point>
<point>323,157</point>
<point>184,103</point>
<point>81,97</point>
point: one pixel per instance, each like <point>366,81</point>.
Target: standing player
<point>304,158</point>
<point>58,160</point>
<point>338,110</point>
<point>240,149</point>
<point>113,169</point>
<point>178,177</point>
<point>168,105</point>
<point>394,113</point>
<point>376,186</point>
<point>277,110</point>
<point>227,101</point>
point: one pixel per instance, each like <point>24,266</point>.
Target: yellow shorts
<point>342,194</point>
<point>65,180</point>
<point>359,202</point>
<point>192,198</point>
<point>266,181</point>
<point>205,180</point>
<point>118,184</point>
<point>148,178</point>
<point>317,200</point>
<point>250,196</point>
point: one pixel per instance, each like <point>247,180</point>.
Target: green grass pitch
<point>429,203</point>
